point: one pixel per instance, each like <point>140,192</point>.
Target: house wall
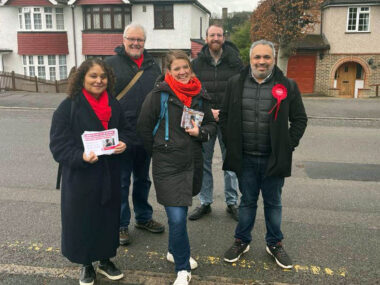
<point>186,26</point>
<point>335,26</point>
<point>8,38</point>
<point>326,68</point>
<point>196,14</point>
<point>78,14</point>
<point>177,38</point>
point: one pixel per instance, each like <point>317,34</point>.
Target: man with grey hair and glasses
<point>136,72</point>
<point>262,121</point>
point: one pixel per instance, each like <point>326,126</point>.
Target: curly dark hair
<point>76,77</point>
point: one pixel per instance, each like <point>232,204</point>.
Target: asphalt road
<point>331,213</point>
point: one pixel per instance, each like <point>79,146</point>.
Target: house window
<point>106,17</point>
<point>59,18</point>
<point>358,19</point>
<point>163,17</point>
<point>45,65</point>
<point>48,17</point>
<point>359,72</point>
<point>38,18</point>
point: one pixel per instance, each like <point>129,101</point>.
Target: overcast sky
<point>215,6</point>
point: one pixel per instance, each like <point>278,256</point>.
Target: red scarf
<point>139,61</point>
<point>100,106</point>
<point>184,92</point>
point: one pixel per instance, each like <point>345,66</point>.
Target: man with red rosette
<point>259,104</point>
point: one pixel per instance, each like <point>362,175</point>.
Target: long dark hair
<point>76,79</point>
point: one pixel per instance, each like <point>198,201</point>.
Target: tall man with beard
<point>259,104</point>
<point>130,59</point>
<point>216,63</point>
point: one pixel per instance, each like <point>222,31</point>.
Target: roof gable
<point>29,2</point>
<point>349,2</point>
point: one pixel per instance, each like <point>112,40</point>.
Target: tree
<point>241,38</point>
<point>238,19</point>
<point>284,22</point>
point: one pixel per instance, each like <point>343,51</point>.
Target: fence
<point>18,82</point>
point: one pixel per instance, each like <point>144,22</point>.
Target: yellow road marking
<point>210,260</point>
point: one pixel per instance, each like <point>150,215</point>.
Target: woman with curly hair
<point>90,196</point>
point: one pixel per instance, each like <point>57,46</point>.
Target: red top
<point>100,106</point>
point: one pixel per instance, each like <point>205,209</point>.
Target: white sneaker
<point>183,278</point>
<point>193,263</point>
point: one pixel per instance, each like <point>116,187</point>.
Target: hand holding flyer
<point>100,143</point>
<point>190,114</point>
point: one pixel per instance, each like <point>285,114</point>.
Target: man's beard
<point>262,74</point>
<point>215,46</point>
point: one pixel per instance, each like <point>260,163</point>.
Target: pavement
<point>330,217</point>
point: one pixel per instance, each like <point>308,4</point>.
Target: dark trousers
<point>251,181</point>
<point>135,162</point>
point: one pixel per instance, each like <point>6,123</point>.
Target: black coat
<point>177,165</point>
<point>90,196</point>
<point>283,138</point>
<point>214,78</point>
<point>125,69</point>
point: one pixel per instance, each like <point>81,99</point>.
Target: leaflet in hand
<point>100,143</point>
<point>191,114</point>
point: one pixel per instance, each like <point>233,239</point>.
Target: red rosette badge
<point>279,92</point>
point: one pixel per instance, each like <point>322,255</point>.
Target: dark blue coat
<point>90,195</point>
<point>125,69</point>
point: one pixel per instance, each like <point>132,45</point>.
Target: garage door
<point>301,68</point>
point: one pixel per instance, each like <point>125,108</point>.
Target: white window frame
<point>32,11</point>
<point>358,13</point>
<point>32,62</point>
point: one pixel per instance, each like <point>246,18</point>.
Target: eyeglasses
<point>132,40</point>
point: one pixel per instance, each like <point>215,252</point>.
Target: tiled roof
<point>313,42</point>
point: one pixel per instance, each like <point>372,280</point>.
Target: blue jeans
<point>135,161</point>
<point>251,181</point>
<point>179,244</point>
<point>230,180</point>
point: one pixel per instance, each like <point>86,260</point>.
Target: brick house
<point>342,57</point>
<point>45,38</point>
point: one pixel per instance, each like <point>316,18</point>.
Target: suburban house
<point>45,38</point>
<point>342,56</point>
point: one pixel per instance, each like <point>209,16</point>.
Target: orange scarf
<point>184,92</point>
<point>100,106</point>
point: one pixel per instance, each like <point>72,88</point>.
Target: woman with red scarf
<point>90,196</point>
<point>177,158</point>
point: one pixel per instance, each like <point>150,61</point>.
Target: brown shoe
<point>124,236</point>
<point>151,226</point>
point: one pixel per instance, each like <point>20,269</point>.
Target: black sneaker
<point>124,236</point>
<point>87,275</point>
<point>199,212</point>
<point>235,251</point>
<point>151,226</point>
<point>233,210</point>
<point>109,270</point>
<point>279,254</point>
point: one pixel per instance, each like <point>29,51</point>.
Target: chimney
<point>224,13</point>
